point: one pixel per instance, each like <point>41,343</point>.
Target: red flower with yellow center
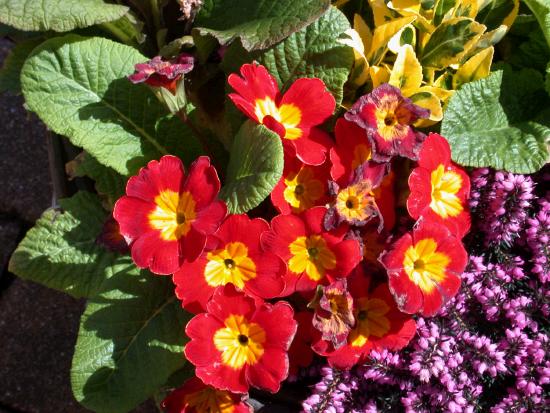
<point>233,255</point>
<point>166,214</point>
<point>313,256</point>
<point>352,149</point>
<point>196,397</point>
<point>239,343</point>
<point>424,268</point>
<point>378,325</point>
<point>439,188</point>
<point>293,115</point>
<point>301,187</point>
<point>387,117</point>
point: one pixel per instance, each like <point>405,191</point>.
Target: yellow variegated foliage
<point>428,48</point>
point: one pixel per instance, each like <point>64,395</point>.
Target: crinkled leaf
<point>129,343</point>
<point>314,51</point>
<point>78,87</point>
<point>10,73</point>
<point>257,23</point>
<point>255,167</point>
<point>502,121</point>
<point>57,15</point>
<point>61,251</point>
<point>541,10</point>
<point>450,41</point>
<point>108,182</point>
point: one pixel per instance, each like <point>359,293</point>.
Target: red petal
<point>240,228</point>
<point>393,259</point>
<point>407,295</point>
<point>284,230</point>
<point>201,350</point>
<point>278,322</point>
<point>191,287</point>
<point>223,377</point>
<point>157,176</point>
<point>228,301</point>
<point>348,255</point>
<point>312,147</point>
<point>278,198</point>
<point>270,370</point>
<point>160,256</point>
<point>432,302</point>
<point>132,216</point>
<point>316,104</point>
<point>208,219</point>
<point>202,182</point>
<point>421,192</point>
<point>191,245</point>
<point>269,281</point>
<point>435,151</point>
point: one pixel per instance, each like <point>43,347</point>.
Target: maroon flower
<point>161,73</point>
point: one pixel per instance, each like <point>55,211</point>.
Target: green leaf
<point>442,7</point>
<point>108,182</point>
<point>78,87</point>
<point>10,73</point>
<point>450,41</point>
<point>130,342</point>
<point>57,15</point>
<point>255,167</point>
<point>312,52</point>
<point>498,122</point>
<point>61,251</point>
<point>258,23</point>
<point>494,13</point>
<point>541,10</point>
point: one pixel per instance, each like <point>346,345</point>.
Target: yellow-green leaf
<point>450,41</point>
<point>407,71</point>
<point>382,35</point>
<point>382,14</point>
<point>379,75</point>
<point>477,67</point>
<point>494,13</point>
<point>425,99</point>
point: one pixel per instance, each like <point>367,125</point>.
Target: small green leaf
<point>541,10</point>
<point>258,23</point>
<point>502,121</point>
<point>61,251</point>
<point>130,342</point>
<point>255,167</point>
<point>57,15</point>
<point>450,41</point>
<point>78,87</point>
<point>314,51</point>
<point>10,74</point>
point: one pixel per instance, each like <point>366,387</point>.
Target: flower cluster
<point>353,277</point>
<point>486,350</point>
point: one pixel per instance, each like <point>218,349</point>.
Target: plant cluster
<point>276,190</point>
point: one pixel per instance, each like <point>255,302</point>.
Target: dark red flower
<point>111,238</point>
<point>161,73</point>
<point>387,116</point>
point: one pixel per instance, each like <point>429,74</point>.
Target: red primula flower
<point>196,397</point>
<point>293,115</point>
<point>301,187</point>
<point>352,149</point>
<point>384,195</point>
<point>160,73</point>
<point>239,343</point>
<point>424,268</point>
<point>313,256</point>
<point>378,325</point>
<point>387,117</point>
<point>439,188</point>
<point>166,214</point>
<point>300,353</point>
<point>233,255</point>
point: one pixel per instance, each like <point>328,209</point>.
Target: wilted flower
<point>163,73</point>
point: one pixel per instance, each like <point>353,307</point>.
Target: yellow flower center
<point>229,265</point>
<point>445,185</point>
<point>391,118</point>
<point>173,214</point>
<point>287,115</point>
<point>370,320</point>
<point>210,400</point>
<point>356,202</point>
<point>424,265</point>
<point>302,189</point>
<point>240,341</point>
<point>361,154</point>
<point>312,256</point>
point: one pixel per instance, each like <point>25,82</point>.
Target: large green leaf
<point>502,121</point>
<point>78,87</point>
<point>130,342</point>
<point>57,15</point>
<point>61,250</point>
<point>541,10</point>
<point>258,23</point>
<point>11,69</point>
<point>312,52</point>
<point>255,167</point>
